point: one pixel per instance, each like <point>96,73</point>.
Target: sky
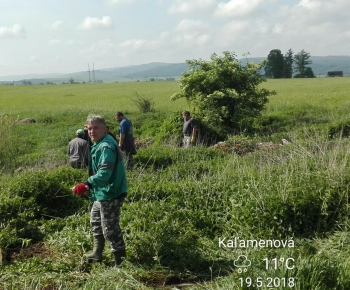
<point>41,36</point>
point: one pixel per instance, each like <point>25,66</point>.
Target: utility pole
<point>89,73</point>
<point>93,72</point>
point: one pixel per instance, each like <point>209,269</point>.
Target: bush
<point>144,105</point>
<point>170,130</point>
<point>341,129</point>
<point>224,92</point>
<point>34,195</point>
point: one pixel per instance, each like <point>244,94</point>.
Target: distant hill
<point>168,70</point>
<point>320,66</point>
<point>323,64</point>
<point>154,69</point>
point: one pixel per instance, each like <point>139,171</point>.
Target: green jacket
<point>107,170</point>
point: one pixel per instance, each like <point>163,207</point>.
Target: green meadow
<point>252,213</point>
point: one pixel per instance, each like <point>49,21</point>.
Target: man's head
<point>80,133</point>
<point>96,126</point>
<point>186,115</point>
<point>119,116</point>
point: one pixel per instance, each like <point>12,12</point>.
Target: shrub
<point>33,195</point>
<point>341,129</point>
<point>224,91</point>
<point>144,105</point>
<point>171,130</point>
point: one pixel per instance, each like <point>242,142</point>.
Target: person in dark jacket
<point>189,130</point>
<point>108,186</point>
<point>78,151</point>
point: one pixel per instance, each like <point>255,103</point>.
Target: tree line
<point>283,66</point>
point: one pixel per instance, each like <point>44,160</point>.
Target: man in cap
<point>78,150</point>
<point>189,129</point>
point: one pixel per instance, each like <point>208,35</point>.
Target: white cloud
<point>310,4</point>
<point>57,24</point>
<point>33,58</point>
<point>54,42</point>
<point>135,45</point>
<point>122,2</point>
<point>16,31</point>
<point>240,8</point>
<point>235,29</point>
<point>191,33</point>
<point>278,28</point>
<point>100,49</point>
<point>95,23</point>
<point>192,25</point>
<point>188,6</point>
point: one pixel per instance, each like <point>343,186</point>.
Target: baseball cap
<point>80,132</point>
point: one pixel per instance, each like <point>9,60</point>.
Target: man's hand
<point>80,189</point>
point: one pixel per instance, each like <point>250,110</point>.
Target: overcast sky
<point>41,36</point>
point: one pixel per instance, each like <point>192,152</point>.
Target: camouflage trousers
<point>104,220</point>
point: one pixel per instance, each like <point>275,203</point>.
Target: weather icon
<point>242,263</point>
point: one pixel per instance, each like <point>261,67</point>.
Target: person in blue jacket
<point>126,139</point>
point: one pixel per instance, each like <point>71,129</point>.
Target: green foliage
<point>309,73</point>
<point>224,92</point>
<point>147,125</point>
<point>274,64</point>
<point>144,105</point>
<point>33,195</point>
<point>288,64</point>
<point>170,131</point>
<point>301,60</point>
<point>342,129</point>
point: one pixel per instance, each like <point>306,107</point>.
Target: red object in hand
<point>80,188</point>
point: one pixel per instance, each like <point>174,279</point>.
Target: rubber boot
<point>96,255</point>
<point>119,257</point>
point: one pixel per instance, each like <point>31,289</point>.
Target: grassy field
<point>191,215</point>
<point>106,98</point>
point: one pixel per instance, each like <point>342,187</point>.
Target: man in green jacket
<point>108,185</point>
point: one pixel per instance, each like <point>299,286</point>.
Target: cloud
<point>188,6</point>
<point>100,49</point>
<point>278,28</point>
<point>95,23</point>
<point>135,45</point>
<point>57,24</point>
<point>16,31</point>
<point>192,25</point>
<point>240,8</point>
<point>191,33</point>
<point>309,4</point>
<point>54,42</point>
<point>122,2</point>
<point>33,58</point>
